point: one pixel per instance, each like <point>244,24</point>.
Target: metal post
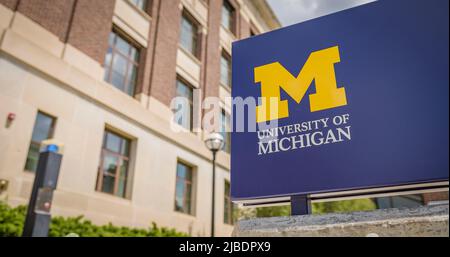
<point>300,205</point>
<point>213,193</point>
<point>38,213</point>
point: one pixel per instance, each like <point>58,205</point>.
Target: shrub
<point>319,208</point>
<point>344,206</point>
<point>13,219</point>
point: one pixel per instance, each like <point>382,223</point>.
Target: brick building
<point>99,76</point>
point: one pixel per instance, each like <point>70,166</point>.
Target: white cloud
<point>294,11</point>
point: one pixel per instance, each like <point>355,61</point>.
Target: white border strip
<point>353,194</point>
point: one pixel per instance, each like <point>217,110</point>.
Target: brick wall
<point>85,24</point>
<point>53,15</point>
<point>163,76</point>
<point>92,23</point>
<point>147,62</point>
<point>11,4</point>
<point>244,28</point>
<point>203,48</point>
<point>212,76</point>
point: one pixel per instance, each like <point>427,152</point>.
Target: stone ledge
<point>423,221</point>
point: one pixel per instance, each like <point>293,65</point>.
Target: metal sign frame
<point>318,34</point>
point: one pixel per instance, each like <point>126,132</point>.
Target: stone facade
<point>51,60</point>
<point>53,15</point>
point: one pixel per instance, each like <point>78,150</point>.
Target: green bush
<point>320,208</point>
<point>12,220</point>
<point>274,211</point>
<point>344,206</point>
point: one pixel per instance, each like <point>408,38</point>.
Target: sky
<point>293,11</point>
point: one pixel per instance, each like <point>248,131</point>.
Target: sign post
<point>300,205</point>
<point>348,104</point>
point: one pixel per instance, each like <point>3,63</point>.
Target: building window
<point>228,16</point>
<point>43,129</point>
<point>114,164</point>
<point>189,38</point>
<point>186,118</point>
<point>141,4</point>
<point>225,70</point>
<point>183,189</point>
<point>228,206</point>
<point>225,130</point>
<point>122,63</point>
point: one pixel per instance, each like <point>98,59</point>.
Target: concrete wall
<point>427,221</point>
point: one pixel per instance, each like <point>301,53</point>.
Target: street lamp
<point>214,142</point>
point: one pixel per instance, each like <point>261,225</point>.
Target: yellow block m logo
<point>319,67</point>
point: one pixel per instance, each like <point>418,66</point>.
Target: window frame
<point>231,7</point>
<point>196,48</point>
<point>120,158</point>
<point>179,79</point>
<point>144,6</point>
<point>50,134</point>
<point>130,62</point>
<point>227,57</point>
<point>187,184</point>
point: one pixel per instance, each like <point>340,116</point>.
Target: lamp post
<point>214,142</point>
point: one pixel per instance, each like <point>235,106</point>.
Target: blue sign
<point>354,100</point>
